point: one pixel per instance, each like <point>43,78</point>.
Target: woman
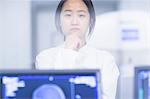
<point>76,20</point>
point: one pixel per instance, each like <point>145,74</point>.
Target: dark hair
<point>91,11</point>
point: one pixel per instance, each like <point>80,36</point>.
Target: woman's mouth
<point>75,29</point>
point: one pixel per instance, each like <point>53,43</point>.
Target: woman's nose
<point>74,20</point>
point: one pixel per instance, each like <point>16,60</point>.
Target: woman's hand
<point>74,42</point>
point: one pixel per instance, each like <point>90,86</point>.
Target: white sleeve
<point>44,61</point>
<point>57,58</point>
<point>68,57</point>
<point>110,74</point>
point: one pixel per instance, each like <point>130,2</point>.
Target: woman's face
<point>75,18</point>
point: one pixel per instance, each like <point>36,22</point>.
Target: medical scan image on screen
<point>45,86</point>
<point>143,84</point>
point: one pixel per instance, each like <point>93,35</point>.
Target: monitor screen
<point>142,83</point>
<point>41,84</point>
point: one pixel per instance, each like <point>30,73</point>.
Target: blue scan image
<point>48,91</point>
<point>55,84</point>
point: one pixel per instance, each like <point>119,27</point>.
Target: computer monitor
<point>142,82</point>
<point>43,84</point>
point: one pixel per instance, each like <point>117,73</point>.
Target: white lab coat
<point>86,58</point>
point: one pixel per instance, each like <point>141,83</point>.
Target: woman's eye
<point>68,15</point>
<point>81,15</point>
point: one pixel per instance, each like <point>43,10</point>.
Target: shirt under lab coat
<point>86,58</point>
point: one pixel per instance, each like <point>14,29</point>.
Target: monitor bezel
<point>97,72</point>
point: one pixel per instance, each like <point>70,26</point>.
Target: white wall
<point>16,42</point>
<point>133,58</point>
<point>139,56</point>
<point>135,5</point>
<point>0,32</point>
